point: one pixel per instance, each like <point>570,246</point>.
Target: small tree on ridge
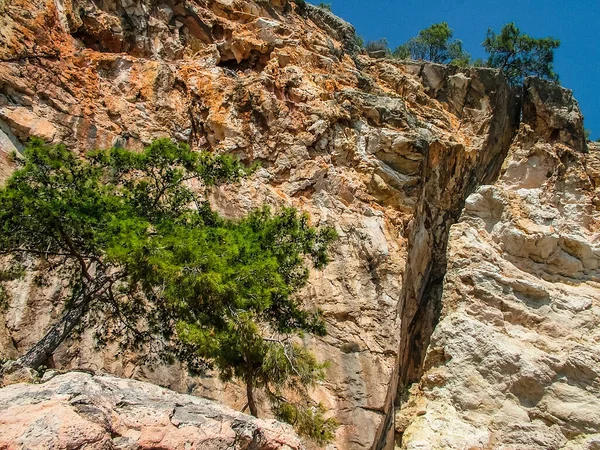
<point>519,55</point>
<point>434,44</point>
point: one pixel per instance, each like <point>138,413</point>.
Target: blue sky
<point>575,22</point>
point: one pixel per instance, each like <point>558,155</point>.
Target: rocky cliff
<point>78,410</point>
<point>515,360</point>
<point>457,200</point>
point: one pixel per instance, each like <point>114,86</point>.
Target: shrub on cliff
<point>300,6</point>
<point>519,55</point>
<point>434,44</point>
<point>378,47</point>
<point>145,256</point>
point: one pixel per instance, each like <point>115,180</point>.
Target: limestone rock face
<point>515,359</point>
<point>387,152</point>
<point>359,144</point>
<point>78,410</point>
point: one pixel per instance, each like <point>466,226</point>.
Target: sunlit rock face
<point>78,410</point>
<point>515,360</point>
<point>387,152</point>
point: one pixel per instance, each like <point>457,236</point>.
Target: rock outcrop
<point>387,152</point>
<point>515,360</point>
<point>78,410</point>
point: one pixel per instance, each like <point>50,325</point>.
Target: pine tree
<point>434,44</point>
<point>519,55</point>
<point>147,257</point>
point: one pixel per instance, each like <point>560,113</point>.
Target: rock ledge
<point>78,410</point>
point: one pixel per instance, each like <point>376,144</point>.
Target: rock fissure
<point>439,207</point>
<point>512,380</point>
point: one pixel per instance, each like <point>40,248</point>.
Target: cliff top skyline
<point>577,60</point>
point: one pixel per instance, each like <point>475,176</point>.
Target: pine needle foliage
<point>147,256</point>
<point>309,421</point>
<point>519,55</point>
<point>434,44</point>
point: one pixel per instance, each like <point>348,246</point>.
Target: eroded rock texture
<point>515,360</point>
<point>387,152</point>
<point>78,410</point>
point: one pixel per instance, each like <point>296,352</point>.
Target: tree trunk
<point>46,346</point>
<point>250,395</point>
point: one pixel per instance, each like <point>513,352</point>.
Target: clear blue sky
<point>575,22</point>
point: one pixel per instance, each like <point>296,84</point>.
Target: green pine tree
<point>519,55</point>
<point>434,44</point>
<point>147,257</point>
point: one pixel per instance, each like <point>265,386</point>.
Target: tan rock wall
<point>385,151</point>
<point>513,362</point>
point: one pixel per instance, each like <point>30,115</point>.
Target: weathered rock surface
<point>515,360</point>
<point>386,152</point>
<point>78,410</point>
<point>354,143</point>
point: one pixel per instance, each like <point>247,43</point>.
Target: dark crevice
<point>103,42</point>
<point>218,32</point>
<point>256,62</point>
<point>438,208</point>
<point>53,55</point>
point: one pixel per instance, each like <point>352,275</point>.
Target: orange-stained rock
<point>386,151</point>
<point>349,139</point>
<point>25,123</point>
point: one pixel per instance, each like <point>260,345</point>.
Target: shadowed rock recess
<point>463,300</point>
